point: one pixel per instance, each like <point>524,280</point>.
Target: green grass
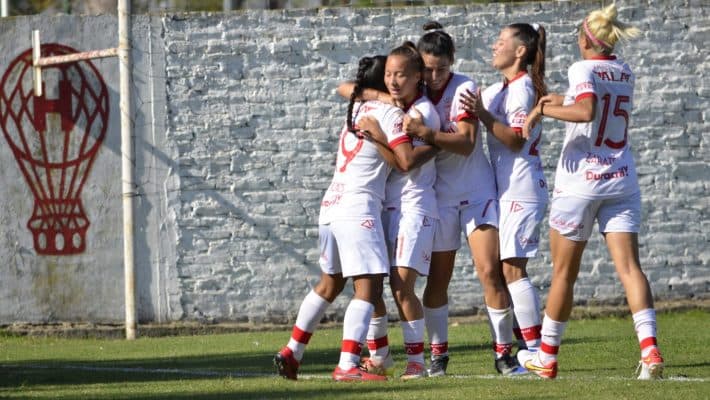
<point>597,361</point>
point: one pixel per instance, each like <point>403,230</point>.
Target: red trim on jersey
<point>374,344</point>
<point>603,57</point>
<point>649,341</point>
<point>515,78</point>
<point>546,348</point>
<point>402,139</point>
<point>300,336</point>
<point>408,106</point>
<point>518,131</point>
<point>584,96</point>
<point>351,346</point>
<point>414,348</point>
<point>466,115</point>
<point>439,348</point>
<point>438,99</point>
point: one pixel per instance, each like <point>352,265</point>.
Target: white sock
<point>437,326</point>
<point>645,326</point>
<point>526,306</point>
<point>310,314</point>
<point>377,341</point>
<point>552,332</point>
<point>501,324</point>
<point>413,333</point>
<point>355,323</point>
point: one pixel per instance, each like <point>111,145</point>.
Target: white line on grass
<point>245,374</point>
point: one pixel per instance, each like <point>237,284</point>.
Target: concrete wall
<point>236,123</point>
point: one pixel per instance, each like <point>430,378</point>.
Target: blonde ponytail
<point>604,30</point>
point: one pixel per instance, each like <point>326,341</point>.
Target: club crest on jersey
<point>368,224</point>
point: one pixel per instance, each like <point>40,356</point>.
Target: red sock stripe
<point>532,333</point>
<point>351,346</point>
<point>439,348</point>
<point>546,348</point>
<point>414,348</point>
<point>649,341</point>
<point>502,348</point>
<point>374,344</point>
<point>300,336</point>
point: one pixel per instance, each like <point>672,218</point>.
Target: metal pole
<point>128,160</point>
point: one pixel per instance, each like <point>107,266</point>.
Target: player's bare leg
<point>623,248</point>
<point>436,311</point>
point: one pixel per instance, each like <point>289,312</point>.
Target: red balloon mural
<point>55,138</point>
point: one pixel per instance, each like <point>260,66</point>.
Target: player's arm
<point>410,157</point>
<point>371,130</point>
<point>582,110</point>
<point>460,142</point>
<point>345,90</point>
<point>511,138</point>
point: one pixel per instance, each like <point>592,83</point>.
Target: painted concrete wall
<point>236,122</point>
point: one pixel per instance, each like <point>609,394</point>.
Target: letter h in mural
<point>55,138</point>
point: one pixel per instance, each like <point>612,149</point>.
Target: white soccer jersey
<point>596,160</point>
<point>519,175</point>
<point>358,186</point>
<point>414,191</point>
<point>460,179</point>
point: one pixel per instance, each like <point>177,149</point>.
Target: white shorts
<point>353,248</point>
<point>573,216</point>
<point>519,228</point>
<point>464,218</point>
<point>410,238</point>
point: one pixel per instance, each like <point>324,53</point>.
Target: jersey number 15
<point>617,112</point>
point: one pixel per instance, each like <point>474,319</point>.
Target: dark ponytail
<point>436,42</point>
<point>370,75</point>
<point>535,42</point>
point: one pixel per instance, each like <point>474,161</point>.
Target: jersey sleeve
<point>429,115</point>
<point>392,124</point>
<point>519,104</point>
<point>457,111</point>
<point>581,81</point>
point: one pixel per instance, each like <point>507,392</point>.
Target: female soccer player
<point>350,233</point>
<point>409,219</point>
<point>522,190</point>
<point>466,197</point>
<point>595,180</point>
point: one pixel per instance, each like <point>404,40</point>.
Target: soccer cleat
<point>507,365</point>
<point>414,370</point>
<point>379,365</point>
<point>651,366</point>
<point>286,365</point>
<point>355,374</point>
<point>438,365</point>
<point>530,360</point>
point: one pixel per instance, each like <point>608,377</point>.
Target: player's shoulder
<point>460,82</point>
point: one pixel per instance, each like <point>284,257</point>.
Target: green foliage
<point>597,361</point>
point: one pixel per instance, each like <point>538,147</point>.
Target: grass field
<point>597,361</point>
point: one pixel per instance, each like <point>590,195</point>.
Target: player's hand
<point>552,99</point>
<point>472,101</point>
<point>370,129</point>
<point>414,126</point>
<point>533,118</point>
